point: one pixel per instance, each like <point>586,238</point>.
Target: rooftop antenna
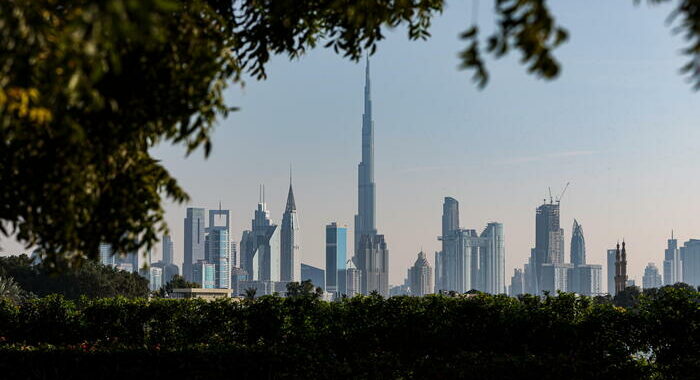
<point>550,195</point>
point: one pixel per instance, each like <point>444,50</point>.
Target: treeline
<point>91,279</point>
<point>465,336</point>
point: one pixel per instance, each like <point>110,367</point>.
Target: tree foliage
<point>88,87</point>
<point>10,290</point>
<point>475,336</point>
<point>91,280</point>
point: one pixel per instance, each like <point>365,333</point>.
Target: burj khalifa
<point>371,254</point>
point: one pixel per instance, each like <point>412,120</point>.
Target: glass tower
<point>336,257</point>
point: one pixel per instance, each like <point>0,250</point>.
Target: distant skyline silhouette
<point>620,124</point>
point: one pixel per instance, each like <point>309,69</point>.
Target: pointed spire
<point>368,99</point>
<point>291,205</point>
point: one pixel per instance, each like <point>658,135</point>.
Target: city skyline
<point>609,128</point>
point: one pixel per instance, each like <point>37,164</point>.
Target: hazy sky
<point>620,124</point>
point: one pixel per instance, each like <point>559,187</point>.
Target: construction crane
<point>561,195</point>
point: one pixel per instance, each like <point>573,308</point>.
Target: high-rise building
<point>420,276</point>
<point>517,283</point>
<point>260,247</point>
<point>620,268</point>
<point>106,256</point>
<point>555,277</point>
<point>672,263</point>
<point>167,249</point>
<point>372,260</point>
<point>372,255</point>
<point>460,261</point>
<point>336,258</point>
<point>155,278</point>
<point>530,275</point>
<point>549,239</point>
<point>578,245</point>
<point>611,271</point>
<point>193,246</point>
<point>353,279</point>
<point>652,277</point>
<point>204,274</point>
<point>450,223</point>
<point>471,261</point>
<point>218,246</point>
<point>128,262</point>
<point>234,255</point>
<point>314,274</point>
<point>690,257</point>
<point>238,276</point>
<point>290,255</point>
<point>589,279</point>
<point>492,259</point>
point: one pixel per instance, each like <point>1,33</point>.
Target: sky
<point>620,124</point>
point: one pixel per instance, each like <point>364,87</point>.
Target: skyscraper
<point>620,268</point>
<point>549,239</point>
<point>370,248</point>
<point>106,256</point>
<point>690,257</point>
<point>204,274</point>
<point>652,277</point>
<point>218,246</point>
<point>589,279</point>
<point>450,223</point>
<point>492,259</point>
<point>473,261</point>
<point>353,279</point>
<point>672,263</point>
<point>315,275</point>
<point>420,276</point>
<point>372,259</point>
<point>167,243</point>
<point>578,260</point>
<point>260,247</point>
<point>194,240</point>
<point>290,255</point>
<point>578,245</point>
<point>611,271</point>
<point>234,255</point>
<point>336,258</point>
<point>517,283</point>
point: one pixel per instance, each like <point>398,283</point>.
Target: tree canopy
<point>88,87</point>
<point>91,280</point>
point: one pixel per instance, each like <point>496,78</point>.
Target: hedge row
<point>364,337</point>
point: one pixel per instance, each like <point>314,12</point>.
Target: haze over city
<point>619,124</point>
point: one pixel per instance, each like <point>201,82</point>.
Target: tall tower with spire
<point>290,257</point>
<point>366,207</point>
<point>371,254</point>
<point>620,268</point>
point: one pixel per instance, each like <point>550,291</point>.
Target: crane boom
<point>562,193</point>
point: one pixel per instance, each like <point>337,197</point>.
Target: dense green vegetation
<point>465,336</point>
<point>91,280</point>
